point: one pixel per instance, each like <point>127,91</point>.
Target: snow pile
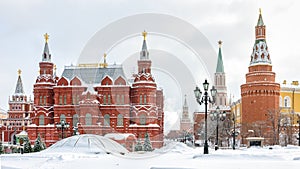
<point>176,147</point>
<point>87,143</point>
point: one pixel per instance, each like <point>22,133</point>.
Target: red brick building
<point>260,93</point>
<point>97,99</point>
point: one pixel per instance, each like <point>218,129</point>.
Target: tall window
<point>41,100</point>
<point>45,100</point>
<point>143,119</point>
<point>106,120</point>
<point>41,120</point>
<point>108,99</point>
<point>141,99</point>
<point>60,99</point>
<point>75,119</point>
<point>123,99</point>
<point>62,117</point>
<point>88,119</point>
<point>287,101</point>
<point>104,99</point>
<point>73,99</point>
<point>120,120</point>
<point>65,99</point>
<point>145,99</point>
<point>118,99</point>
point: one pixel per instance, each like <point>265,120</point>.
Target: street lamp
<point>217,115</point>
<point>62,125</point>
<point>205,100</point>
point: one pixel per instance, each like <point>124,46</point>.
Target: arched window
<point>287,101</point>
<point>88,119</point>
<point>41,120</point>
<point>106,120</point>
<point>62,117</point>
<point>75,119</point>
<point>120,120</point>
<point>143,119</point>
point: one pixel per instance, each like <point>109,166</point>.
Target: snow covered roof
<point>87,143</point>
<point>92,75</point>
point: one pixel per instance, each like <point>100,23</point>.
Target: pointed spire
<point>19,86</point>
<point>46,55</point>
<point>185,102</point>
<point>260,21</point>
<point>260,52</point>
<point>220,66</point>
<point>144,54</point>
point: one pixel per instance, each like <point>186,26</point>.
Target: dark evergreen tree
<point>27,145</point>
<point>147,143</point>
<point>138,146</point>
<point>38,144</point>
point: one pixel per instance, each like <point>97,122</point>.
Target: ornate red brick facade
<point>97,99</point>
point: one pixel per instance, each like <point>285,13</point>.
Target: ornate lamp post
<point>205,99</point>
<point>62,125</point>
<point>217,115</point>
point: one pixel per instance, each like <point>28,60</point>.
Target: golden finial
<point>54,67</point>
<point>260,11</point>
<point>144,34</point>
<point>104,55</point>
<point>19,72</point>
<point>220,43</point>
<point>46,36</point>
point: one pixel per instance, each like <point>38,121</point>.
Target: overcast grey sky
<point>71,23</point>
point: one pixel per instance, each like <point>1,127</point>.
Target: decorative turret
<point>185,105</point>
<point>260,54</point>
<point>220,80</point>
<point>46,66</point>
<point>144,54</point>
<point>260,93</point>
<point>185,122</point>
<point>144,64</point>
<point>19,87</point>
<point>46,55</point>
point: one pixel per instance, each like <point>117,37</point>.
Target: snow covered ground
<point>173,156</point>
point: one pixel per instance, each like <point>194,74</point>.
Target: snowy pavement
<point>174,156</point>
